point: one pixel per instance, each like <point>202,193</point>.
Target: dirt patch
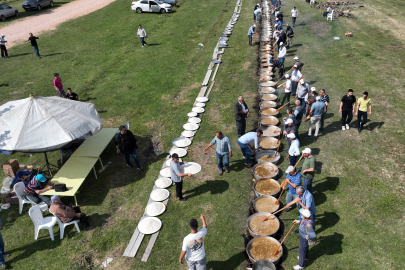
<point>246,65</point>
<point>184,90</point>
<point>207,160</point>
<point>395,48</point>
<point>319,29</point>
<point>214,115</point>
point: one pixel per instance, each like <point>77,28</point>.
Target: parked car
<point>171,2</point>
<point>36,4</point>
<point>7,11</point>
<point>151,6</point>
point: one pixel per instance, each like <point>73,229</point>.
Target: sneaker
<point>288,209</point>
<point>347,126</point>
<point>221,172</point>
<point>140,168</point>
<point>297,267</point>
<point>227,170</point>
<point>183,200</point>
<point>248,164</point>
<point>298,257</point>
<point>343,127</point>
<point>3,265</point>
<point>130,166</point>
<point>91,227</point>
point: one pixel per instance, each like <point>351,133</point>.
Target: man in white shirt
<point>193,246</point>
<point>282,52</point>
<point>294,150</point>
<point>244,144</point>
<point>294,15</point>
<point>142,34</point>
<point>3,48</point>
<point>302,90</point>
<point>295,78</point>
<point>287,90</point>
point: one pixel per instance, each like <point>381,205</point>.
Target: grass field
<point>359,183</point>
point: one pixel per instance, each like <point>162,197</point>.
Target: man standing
<point>361,111</point>
<point>347,106</point>
<point>256,7</point>
<point>293,179</point>
<point>57,83</point>
<point>282,52</point>
<point>71,95</point>
<point>290,34</point>
<point>298,63</point>
<point>126,142</point>
<point>307,236</point>
<point>3,48</point>
<point>325,100</point>
<point>294,15</point>
<point>241,112</point>
<point>308,168</point>
<point>37,186</point>
<point>306,200</point>
<point>2,254</point>
<point>294,150</point>
<point>142,34</point>
<point>310,98</point>
<point>278,64</point>
<point>33,40</point>
<point>289,127</point>
<point>223,151</point>
<point>281,39</point>
<point>302,90</point>
<point>244,141</point>
<point>299,113</point>
<point>317,109</point>
<point>250,33</point>
<point>296,76</point>
<point>256,12</point>
<point>193,246</point>
<point>67,214</point>
<point>287,90</point>
<point>177,176</point>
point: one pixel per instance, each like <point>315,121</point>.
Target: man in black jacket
<point>290,34</point>
<point>241,112</point>
<point>281,38</point>
<point>125,142</point>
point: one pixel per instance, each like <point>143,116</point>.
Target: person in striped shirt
<point>223,151</point>
<point>324,99</point>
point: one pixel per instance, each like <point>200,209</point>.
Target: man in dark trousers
<point>241,112</point>
<point>280,65</point>
<point>33,40</point>
<point>177,176</point>
<point>3,48</point>
<point>298,63</point>
<point>281,39</point>
<point>299,113</point>
<point>290,34</point>
<point>347,105</point>
<point>125,142</point>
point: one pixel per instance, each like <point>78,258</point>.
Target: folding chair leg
<point>20,206</point>
<point>62,231</point>
<point>51,233</point>
<point>36,233</point>
<point>77,227</point>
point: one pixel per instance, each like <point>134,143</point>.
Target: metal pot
<point>267,104</point>
<point>268,112</point>
<point>272,174</point>
<point>262,120</point>
<point>263,265</point>
<point>268,97</point>
<point>272,199</point>
<point>252,233</point>
<point>258,194</point>
<point>279,254</point>
<point>267,90</point>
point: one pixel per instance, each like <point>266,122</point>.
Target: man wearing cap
<point>310,98</point>
<point>3,48</point>
<point>317,109</point>
<point>177,176</point>
<point>294,150</point>
<point>244,142</point>
<point>306,200</point>
<point>347,106</point>
<point>308,168</point>
<point>287,90</point>
<point>39,184</point>
<point>294,15</point>
<point>277,64</point>
<point>223,151</point>
<point>299,113</point>
<point>250,33</point>
<point>257,12</point>
<point>307,238</point>
<point>67,214</point>
<point>298,63</point>
<point>325,100</point>
<point>282,52</point>
<point>293,178</point>
<point>361,111</point>
<point>302,90</point>
<point>290,127</point>
<point>241,113</point>
<point>290,34</point>
<point>275,34</point>
<point>296,76</point>
<point>125,141</point>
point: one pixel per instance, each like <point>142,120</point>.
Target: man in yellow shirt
<point>362,104</point>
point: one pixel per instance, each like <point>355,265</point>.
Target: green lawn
<point>359,183</point>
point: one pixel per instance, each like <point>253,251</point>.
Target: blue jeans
<point>290,197</point>
<point>256,17</point>
<point>1,249</point>
<point>359,122</point>
<point>303,251</point>
<point>224,158</point>
<point>245,151</point>
<point>134,155</point>
<point>281,60</point>
<point>302,102</point>
<point>143,41</point>
<point>307,184</point>
<point>36,50</point>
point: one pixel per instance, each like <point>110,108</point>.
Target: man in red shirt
<point>57,83</point>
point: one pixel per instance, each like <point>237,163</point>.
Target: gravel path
<point>18,32</point>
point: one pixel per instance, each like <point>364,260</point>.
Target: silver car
<point>7,11</point>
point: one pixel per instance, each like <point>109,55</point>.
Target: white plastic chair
<point>331,16</point>
<point>19,189</point>
<point>63,225</point>
<point>40,222</point>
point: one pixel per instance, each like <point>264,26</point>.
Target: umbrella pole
<point>49,164</point>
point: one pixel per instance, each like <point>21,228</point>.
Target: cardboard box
<point>12,200</point>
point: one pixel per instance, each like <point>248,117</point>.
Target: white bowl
<point>190,126</point>
<point>152,205</point>
<point>192,114</point>
<point>159,190</point>
<point>181,142</point>
<point>167,181</point>
<point>148,219</point>
<point>188,133</point>
<point>185,168</point>
<point>165,172</point>
<point>200,104</point>
<point>181,152</point>
<point>198,109</point>
<point>194,120</point>
<point>202,99</point>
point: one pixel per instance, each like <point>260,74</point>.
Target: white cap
<point>289,121</point>
<point>313,89</point>
<point>290,169</point>
<point>281,44</point>
<point>318,98</point>
<point>295,66</point>
<point>302,81</point>
<point>3,35</point>
<point>296,58</point>
<point>307,151</point>
<point>254,25</point>
<point>287,76</point>
<point>305,212</point>
<point>291,136</point>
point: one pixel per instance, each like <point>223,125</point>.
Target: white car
<point>151,6</point>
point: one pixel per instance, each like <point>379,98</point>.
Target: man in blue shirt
<point>244,144</point>
<point>250,33</point>
<point>306,200</point>
<point>317,109</point>
<point>307,233</point>
<point>177,176</point>
<point>293,179</point>
<point>256,12</point>
<point>223,151</point>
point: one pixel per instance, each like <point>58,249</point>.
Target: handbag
<point>60,188</point>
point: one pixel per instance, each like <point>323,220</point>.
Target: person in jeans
<point>33,40</point>
<point>294,150</point>
<point>325,100</point>
<point>241,113</point>
<point>142,34</point>
<point>223,151</point>
<point>126,142</point>
<point>193,246</point>
<point>306,201</point>
<point>57,83</point>
<point>251,32</point>
<point>256,12</point>
<point>308,168</point>
<point>302,90</point>
<point>39,184</point>
<point>317,109</point>
<point>294,179</point>
<point>3,48</point>
<point>2,254</point>
<point>287,91</point>
<point>177,176</point>
<point>361,111</point>
<point>306,225</point>
<point>282,53</point>
<point>244,141</point>
<point>67,214</point>
<point>347,106</point>
<point>294,15</point>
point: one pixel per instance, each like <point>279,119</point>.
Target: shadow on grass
<point>230,263</point>
<point>39,245</point>
<point>327,245</point>
<point>326,220</point>
<point>4,85</point>
<point>21,54</point>
<point>52,54</point>
<point>373,125</point>
<point>213,186</point>
<point>154,44</point>
<point>331,184</point>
